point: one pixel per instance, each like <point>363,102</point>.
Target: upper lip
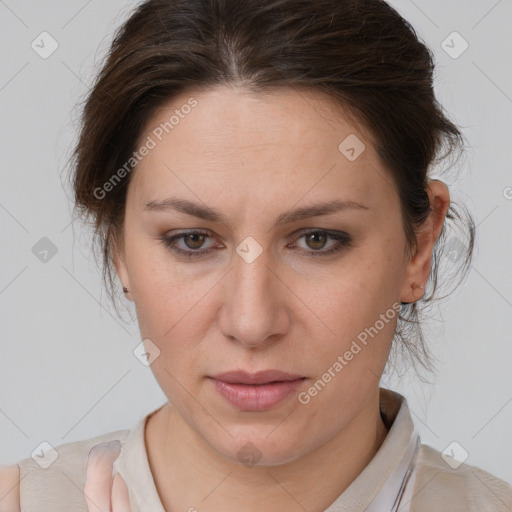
<point>261,377</point>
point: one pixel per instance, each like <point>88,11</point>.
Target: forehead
<point>231,139</point>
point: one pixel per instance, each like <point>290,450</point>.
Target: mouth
<point>256,392</point>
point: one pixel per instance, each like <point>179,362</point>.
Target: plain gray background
<point>67,369</point>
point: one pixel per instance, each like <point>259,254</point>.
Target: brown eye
<point>316,240</point>
<point>194,240</point>
<point>188,243</point>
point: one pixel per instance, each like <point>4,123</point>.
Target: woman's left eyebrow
<point>319,209</point>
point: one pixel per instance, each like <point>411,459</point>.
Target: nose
<point>254,312</point>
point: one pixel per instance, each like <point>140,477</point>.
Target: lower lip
<point>249,397</point>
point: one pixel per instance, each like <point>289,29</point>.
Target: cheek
<point>163,290</point>
<point>358,307</point>
<point>174,311</point>
<point>358,290</point>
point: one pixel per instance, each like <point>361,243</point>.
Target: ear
<point>418,267</point>
<point>121,268</point>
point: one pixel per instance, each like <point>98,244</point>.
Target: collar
<point>133,465</point>
<point>381,484</point>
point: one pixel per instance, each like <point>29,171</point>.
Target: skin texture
<point>253,158</point>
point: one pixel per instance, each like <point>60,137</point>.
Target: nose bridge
<point>252,311</point>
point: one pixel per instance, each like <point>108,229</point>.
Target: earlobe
<point>418,268</point>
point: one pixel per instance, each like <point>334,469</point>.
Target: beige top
<point>404,475</point>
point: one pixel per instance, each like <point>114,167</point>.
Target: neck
<point>190,475</point>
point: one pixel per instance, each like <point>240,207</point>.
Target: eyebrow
<point>212,215</point>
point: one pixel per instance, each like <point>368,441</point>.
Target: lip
<point>256,392</point>
<point>261,377</point>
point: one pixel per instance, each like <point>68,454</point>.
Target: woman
<point>258,176</point>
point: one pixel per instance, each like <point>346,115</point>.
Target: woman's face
<point>253,291</point>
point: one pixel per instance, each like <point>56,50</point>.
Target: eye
<point>192,241</point>
<point>317,240</point>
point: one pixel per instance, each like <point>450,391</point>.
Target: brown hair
<point>361,53</point>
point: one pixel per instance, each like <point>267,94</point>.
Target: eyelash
<point>344,240</point>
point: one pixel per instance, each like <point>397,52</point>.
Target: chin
<point>260,448</point>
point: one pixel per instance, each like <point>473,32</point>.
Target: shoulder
<point>53,478</point>
<point>445,484</point>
